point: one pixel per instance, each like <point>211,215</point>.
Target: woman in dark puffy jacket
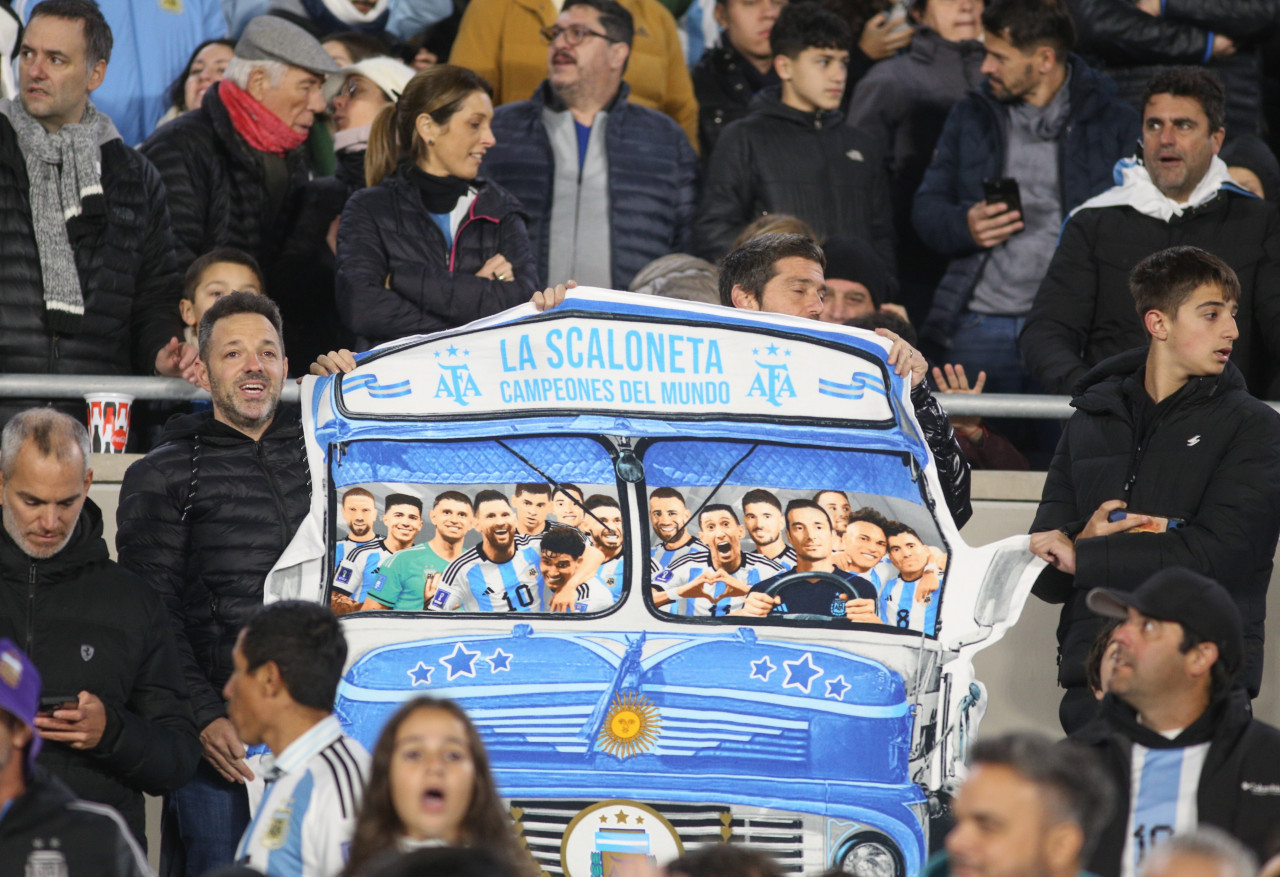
<point>429,246</point>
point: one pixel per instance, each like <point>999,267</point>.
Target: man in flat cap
<point>233,167</point>
<point>1176,730</point>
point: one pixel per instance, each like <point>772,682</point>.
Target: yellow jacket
<point>499,40</point>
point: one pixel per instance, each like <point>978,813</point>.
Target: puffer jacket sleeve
<point>939,214</point>
<point>1237,513</point>
<point>726,198</point>
<point>1238,19</point>
<point>1058,325</point>
<point>180,169</point>
<point>151,741</point>
<point>687,198</point>
<point>1058,510</point>
<point>1121,33</point>
<point>152,541</point>
<point>154,319</point>
<point>953,468</point>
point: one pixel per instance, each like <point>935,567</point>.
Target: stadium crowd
<point>1066,196</point>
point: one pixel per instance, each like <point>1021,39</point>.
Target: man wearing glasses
<point>609,186</point>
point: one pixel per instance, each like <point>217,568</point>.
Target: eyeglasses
<point>574,34</point>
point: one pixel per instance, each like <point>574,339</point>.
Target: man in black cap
<point>1177,735</point>
<point>233,168</point>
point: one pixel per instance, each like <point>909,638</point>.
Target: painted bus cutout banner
<point>807,692</point>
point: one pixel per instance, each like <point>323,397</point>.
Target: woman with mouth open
<point>430,245</point>
<point>430,785</point>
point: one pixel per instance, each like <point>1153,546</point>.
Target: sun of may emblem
<point>631,725</point>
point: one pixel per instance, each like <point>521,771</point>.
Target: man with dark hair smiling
<point>908,599</point>
<point>409,577</point>
<point>203,518</point>
<point>715,579</point>
<point>287,663</point>
<point>1180,194</point>
<point>498,575</point>
<point>783,274</point>
<point>1167,461</point>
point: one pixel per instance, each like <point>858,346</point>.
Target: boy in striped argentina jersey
<point>715,580</point>
<point>668,515</point>
<point>910,599</point>
<point>498,575</point>
<point>288,661</point>
<point>762,515</point>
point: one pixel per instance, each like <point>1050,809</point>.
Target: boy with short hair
<point>215,274</point>
<point>793,153</point>
<point>1167,431</point>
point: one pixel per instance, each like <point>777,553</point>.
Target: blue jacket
<point>652,179</point>
<point>1100,130</point>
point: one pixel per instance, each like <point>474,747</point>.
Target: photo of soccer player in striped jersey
<point>762,516</point>
<point>909,599</point>
<point>816,586</point>
<point>561,560</point>
<point>500,574</point>
<point>408,579</point>
<point>714,580</point>
<point>358,570</point>
<point>669,517</point>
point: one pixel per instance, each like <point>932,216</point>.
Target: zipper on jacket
<point>1140,445</point>
<point>31,610</point>
<point>275,494</point>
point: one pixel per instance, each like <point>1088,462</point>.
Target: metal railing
<point>176,389</point>
<point>76,386</point>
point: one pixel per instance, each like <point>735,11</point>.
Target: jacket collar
<point>544,96</point>
<point>927,44</point>
<point>286,425</point>
<point>85,546</point>
<point>768,102</point>
<point>1089,90</point>
<point>1101,387</point>
<point>1226,716</point>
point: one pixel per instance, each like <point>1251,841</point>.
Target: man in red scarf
<point>233,167</point>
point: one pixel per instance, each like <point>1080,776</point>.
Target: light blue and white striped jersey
<point>474,583</point>
<point>1162,799</point>
<point>355,573</point>
<point>664,556</point>
<point>610,575</point>
<point>303,825</point>
<point>594,595</point>
<point>787,559</point>
<point>900,608</point>
<point>754,569</point>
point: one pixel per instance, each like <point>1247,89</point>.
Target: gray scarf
<point>64,175</point>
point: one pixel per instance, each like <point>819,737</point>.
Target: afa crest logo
<point>773,380</point>
<point>456,381</point>
<point>278,828</point>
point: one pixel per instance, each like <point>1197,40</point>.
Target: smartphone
<point>1003,191</point>
<point>1159,523</point>
<point>896,13</point>
<point>51,702</point>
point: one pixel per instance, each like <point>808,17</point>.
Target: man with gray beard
<point>115,720</point>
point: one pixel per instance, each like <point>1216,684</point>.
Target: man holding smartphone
<point>1163,432</point>
<point>1015,156</point>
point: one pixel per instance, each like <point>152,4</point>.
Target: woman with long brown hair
<point>430,785</point>
<point>430,245</point>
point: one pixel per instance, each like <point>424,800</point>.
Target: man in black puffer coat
<point>1167,431</point>
<point>237,186</point>
<point>96,631</point>
<point>203,518</point>
<point>97,293</point>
